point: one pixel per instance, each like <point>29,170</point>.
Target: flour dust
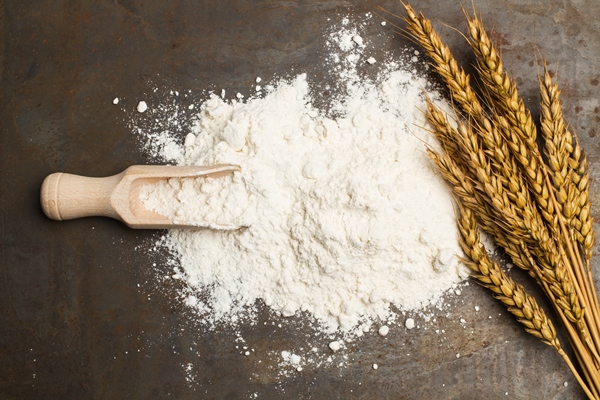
<point>343,217</point>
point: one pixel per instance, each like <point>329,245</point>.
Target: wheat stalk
<point>523,306</point>
<point>489,274</point>
<point>539,213</point>
<point>561,155</point>
<point>522,134</point>
<point>522,223</point>
<point>558,146</point>
<point>568,164</point>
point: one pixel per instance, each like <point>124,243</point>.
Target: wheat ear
<point>523,223</point>
<point>567,164</point>
<point>517,301</point>
<point>583,222</point>
<point>521,135</point>
<point>558,145</point>
<point>443,62</point>
<point>518,224</point>
<point>568,172</point>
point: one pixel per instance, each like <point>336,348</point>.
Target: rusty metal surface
<point>74,324</point>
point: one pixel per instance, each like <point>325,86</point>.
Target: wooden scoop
<point>66,196</point>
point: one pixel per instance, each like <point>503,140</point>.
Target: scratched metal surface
<point>73,322</point>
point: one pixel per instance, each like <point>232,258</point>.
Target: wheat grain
<point>490,275</point>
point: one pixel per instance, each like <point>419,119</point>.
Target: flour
<point>221,202</point>
<point>384,330</point>
<point>292,360</point>
<point>343,216</point>
<point>335,346</point>
<point>142,106</point>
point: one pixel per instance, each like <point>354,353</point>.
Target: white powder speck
<point>476,308</point>
<point>375,366</point>
<point>358,40</point>
<point>384,330</point>
<point>383,23</point>
<point>371,60</point>
<point>409,323</point>
<point>334,346</point>
<point>291,360</point>
<point>190,376</point>
<point>142,106</point>
<point>258,79</point>
<point>116,100</point>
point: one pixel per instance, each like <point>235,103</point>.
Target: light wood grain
<point>66,196</point>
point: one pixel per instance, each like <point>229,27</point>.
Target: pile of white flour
<point>342,213</point>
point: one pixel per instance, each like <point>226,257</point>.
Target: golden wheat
<point>537,208</point>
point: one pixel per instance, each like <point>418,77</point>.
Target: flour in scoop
<point>345,218</point>
<point>218,201</point>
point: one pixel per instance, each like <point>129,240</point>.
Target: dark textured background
<point>75,325</point>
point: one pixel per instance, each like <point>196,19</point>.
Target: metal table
<point>85,314</point>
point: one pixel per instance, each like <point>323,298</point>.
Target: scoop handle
<point>66,196</point>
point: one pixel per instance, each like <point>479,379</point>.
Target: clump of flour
<point>220,201</point>
<point>343,214</point>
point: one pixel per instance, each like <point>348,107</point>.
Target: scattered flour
<point>335,346</point>
<point>343,215</point>
<point>190,375</point>
<point>292,360</point>
<point>142,106</point>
